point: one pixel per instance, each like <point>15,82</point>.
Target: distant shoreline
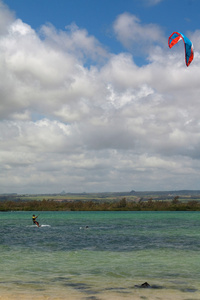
<point>123,204</point>
<point>182,200</point>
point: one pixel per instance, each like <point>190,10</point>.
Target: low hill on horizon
<point>183,195</point>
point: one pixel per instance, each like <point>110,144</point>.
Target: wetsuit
<point>34,220</point>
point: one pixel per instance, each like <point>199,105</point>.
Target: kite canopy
<point>174,38</point>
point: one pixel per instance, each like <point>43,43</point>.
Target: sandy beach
<point>136,294</point>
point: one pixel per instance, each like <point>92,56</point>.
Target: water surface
<point>94,253</point>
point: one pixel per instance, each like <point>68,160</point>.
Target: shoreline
<point>113,294</point>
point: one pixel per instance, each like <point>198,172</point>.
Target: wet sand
<point>136,294</point>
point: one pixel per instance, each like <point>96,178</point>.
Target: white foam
<point>43,225</point>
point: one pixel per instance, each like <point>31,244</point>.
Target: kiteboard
<point>43,225</point>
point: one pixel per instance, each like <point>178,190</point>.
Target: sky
<point>93,100</point>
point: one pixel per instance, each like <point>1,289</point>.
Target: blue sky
<point>98,16</point>
<point>93,99</point>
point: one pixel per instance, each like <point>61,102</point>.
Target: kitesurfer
<point>34,220</point>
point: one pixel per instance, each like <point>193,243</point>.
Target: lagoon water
<point>100,255</point>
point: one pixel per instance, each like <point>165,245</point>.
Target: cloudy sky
<point>92,99</point>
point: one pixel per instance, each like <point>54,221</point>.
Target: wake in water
<point>43,225</point>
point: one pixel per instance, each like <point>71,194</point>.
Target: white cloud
<point>75,116</point>
<point>6,18</point>
<point>74,40</point>
<point>132,33</point>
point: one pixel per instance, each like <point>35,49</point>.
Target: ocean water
<point>97,255</point>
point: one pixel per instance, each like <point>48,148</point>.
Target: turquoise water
<point>95,252</point>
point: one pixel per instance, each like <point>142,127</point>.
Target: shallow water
<point>100,253</point>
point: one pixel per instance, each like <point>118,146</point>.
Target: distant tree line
<point>121,205</point>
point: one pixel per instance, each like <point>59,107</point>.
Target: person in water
<point>34,220</point>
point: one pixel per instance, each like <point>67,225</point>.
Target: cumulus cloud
<point>6,18</point>
<point>132,33</point>
<point>75,117</point>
